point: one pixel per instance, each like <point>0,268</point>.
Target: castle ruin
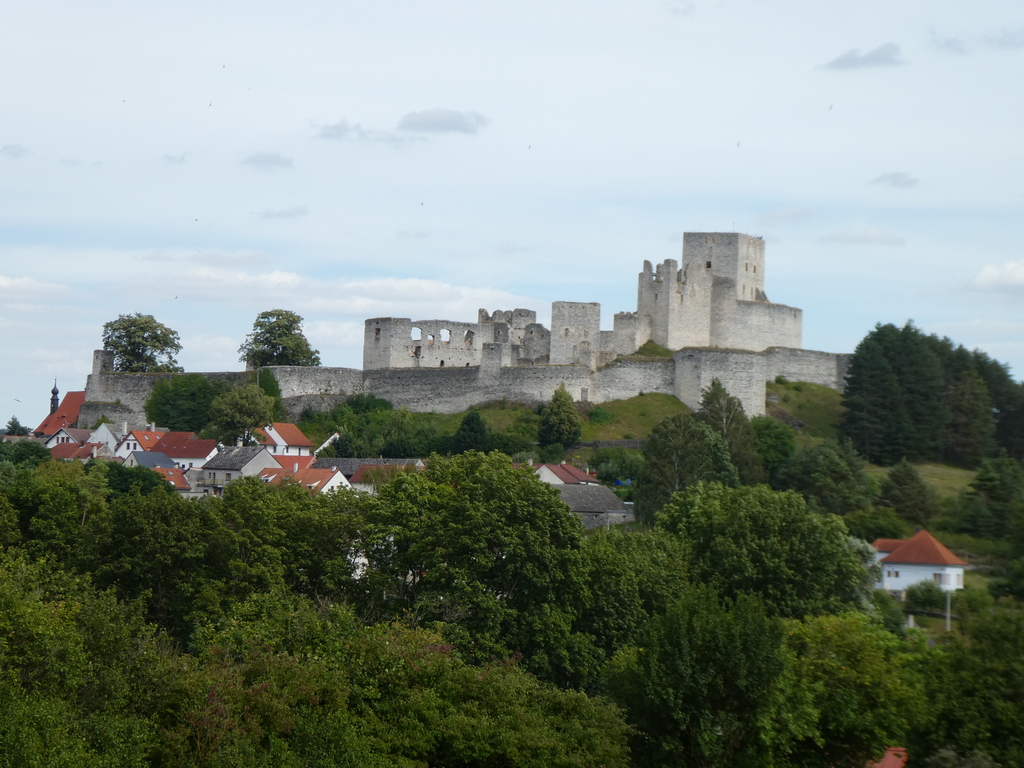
<point>712,312</point>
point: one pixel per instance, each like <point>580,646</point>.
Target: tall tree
<point>906,492</point>
<point>472,434</point>
<point>756,541</point>
<point>776,442</point>
<point>560,424</point>
<point>277,339</point>
<point>680,452</point>
<point>970,432</point>
<point>141,345</point>
<point>831,477</point>
<point>724,414</point>
<point>15,427</point>
<point>237,413</point>
<point>875,419</point>
<point>182,403</point>
<point>922,384</point>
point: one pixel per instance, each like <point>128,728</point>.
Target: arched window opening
<point>446,335</point>
<point>417,334</point>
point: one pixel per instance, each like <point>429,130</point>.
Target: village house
<point>905,562</point>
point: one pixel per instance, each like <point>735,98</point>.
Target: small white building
<point>905,562</point>
<point>283,439</point>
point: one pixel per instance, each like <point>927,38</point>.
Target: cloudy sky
<point>203,162</point>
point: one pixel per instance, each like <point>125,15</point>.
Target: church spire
<point>54,399</point>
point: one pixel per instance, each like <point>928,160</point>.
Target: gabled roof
<point>185,445</point>
<point>289,462</point>
<point>895,757</point>
<point>147,440</point>
<point>582,497</point>
<point>314,480</point>
<point>922,549</point>
<point>174,476</point>
<point>76,450</point>
<point>289,434</point>
<point>567,473</point>
<point>234,458</point>
<point>78,435</point>
<point>152,459</point>
<point>65,415</point>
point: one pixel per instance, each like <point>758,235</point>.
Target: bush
<point>599,415</point>
<point>926,596</point>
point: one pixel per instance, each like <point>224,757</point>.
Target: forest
<point>462,617</point>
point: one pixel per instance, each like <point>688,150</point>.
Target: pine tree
<point>908,494</point>
<point>724,414</point>
<point>560,423</point>
<point>471,435</point>
<point>15,427</point>
<point>875,418</point>
<point>922,383</point>
<point>970,430</point>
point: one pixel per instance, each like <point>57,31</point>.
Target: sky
<point>204,162</point>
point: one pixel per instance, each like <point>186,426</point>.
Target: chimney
<point>295,468</point>
<point>124,427</point>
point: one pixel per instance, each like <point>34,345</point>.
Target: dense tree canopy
<point>236,413</point>
<point>560,424</point>
<point>182,403</point>
<point>724,414</point>
<point>277,339</point>
<point>141,345</point>
<point>15,427</point>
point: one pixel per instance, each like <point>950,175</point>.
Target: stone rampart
<point>825,368</point>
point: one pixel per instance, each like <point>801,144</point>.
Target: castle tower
<point>735,261</point>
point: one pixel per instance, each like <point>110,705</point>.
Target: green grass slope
<point>819,408</point>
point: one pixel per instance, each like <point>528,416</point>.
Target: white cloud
<point>1001,277</point>
<point>343,130</point>
<point>176,159</point>
<point>266,161</point>
<point>284,213</point>
<point>954,45</point>
<point>14,151</point>
<point>680,7</point>
<point>442,121</point>
<point>897,179</point>
<point>20,288</point>
<point>885,55</point>
<point>865,236</point>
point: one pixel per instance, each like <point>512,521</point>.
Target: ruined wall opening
<point>430,339</point>
<point>441,365</point>
<point>376,334</point>
<point>416,333</point>
<point>445,335</point>
<point>417,352</point>
<point>468,338</point>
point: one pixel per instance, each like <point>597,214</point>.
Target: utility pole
<point>949,596</point>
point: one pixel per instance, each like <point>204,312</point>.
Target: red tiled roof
<point>185,445</point>
<point>147,440</point>
<point>289,462</point>
<point>65,416</point>
<point>291,434</point>
<point>174,476</point>
<point>567,473</point>
<point>74,450</point>
<point>312,479</point>
<point>922,549</point>
<point>895,757</point>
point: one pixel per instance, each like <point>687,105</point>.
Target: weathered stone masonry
<point>713,310</point>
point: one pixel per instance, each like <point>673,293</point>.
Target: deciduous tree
<point>182,403</point>
<point>560,424</point>
<point>141,345</point>
<point>237,413</point>
<point>724,414</point>
<point>277,339</point>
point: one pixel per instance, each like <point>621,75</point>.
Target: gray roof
<point>591,498</point>
<point>348,467</point>
<point>153,459</point>
<point>234,458</point>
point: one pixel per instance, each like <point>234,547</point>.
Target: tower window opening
<point>755,269</point>
<point>707,264</point>
<point>376,334</point>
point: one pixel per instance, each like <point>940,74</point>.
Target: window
<point>940,578</point>
<point>707,264</point>
<point>227,477</point>
<point>376,334</point>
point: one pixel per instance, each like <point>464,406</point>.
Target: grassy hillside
<point>819,408</point>
<point>632,418</point>
<point>947,480</point>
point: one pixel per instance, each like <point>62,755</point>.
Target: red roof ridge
<point>923,549</point>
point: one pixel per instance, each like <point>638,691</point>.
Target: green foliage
<point>472,435</point>
<point>877,523</point>
<point>125,481</point>
<point>863,700</point>
<point>277,339</point>
<point>970,433</point>
<point>724,414</point>
<point>705,684</point>
<point>831,477</point>
<point>973,686</point>
<point>948,758</point>
<point>909,496</point>
<point>236,413</point>
<point>650,349</point>
<point>182,403</point>
<point>889,611</point>
<point>15,427</point>
<point>756,541</point>
<point>141,345</point>
<point>680,452</point>
<point>993,506</point>
<point>925,596</point>
<point>813,409</point>
<point>560,423</point>
<point>776,443</point>
<point>617,464</point>
<point>487,548</point>
<point>596,415</point>
<point>24,453</point>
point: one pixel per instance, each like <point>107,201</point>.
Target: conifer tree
<point>875,419</point>
<point>970,431</point>
<point>908,494</point>
<point>724,414</point>
<point>922,383</point>
<point>560,423</point>
<point>471,435</point>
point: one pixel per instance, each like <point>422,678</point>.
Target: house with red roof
<point>138,440</point>
<point>67,436</point>
<point>564,474</point>
<point>905,562</point>
<point>895,757</point>
<point>176,477</point>
<point>283,439</point>
<point>80,452</point>
<point>314,480</point>
<point>64,415</point>
<point>187,449</point>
